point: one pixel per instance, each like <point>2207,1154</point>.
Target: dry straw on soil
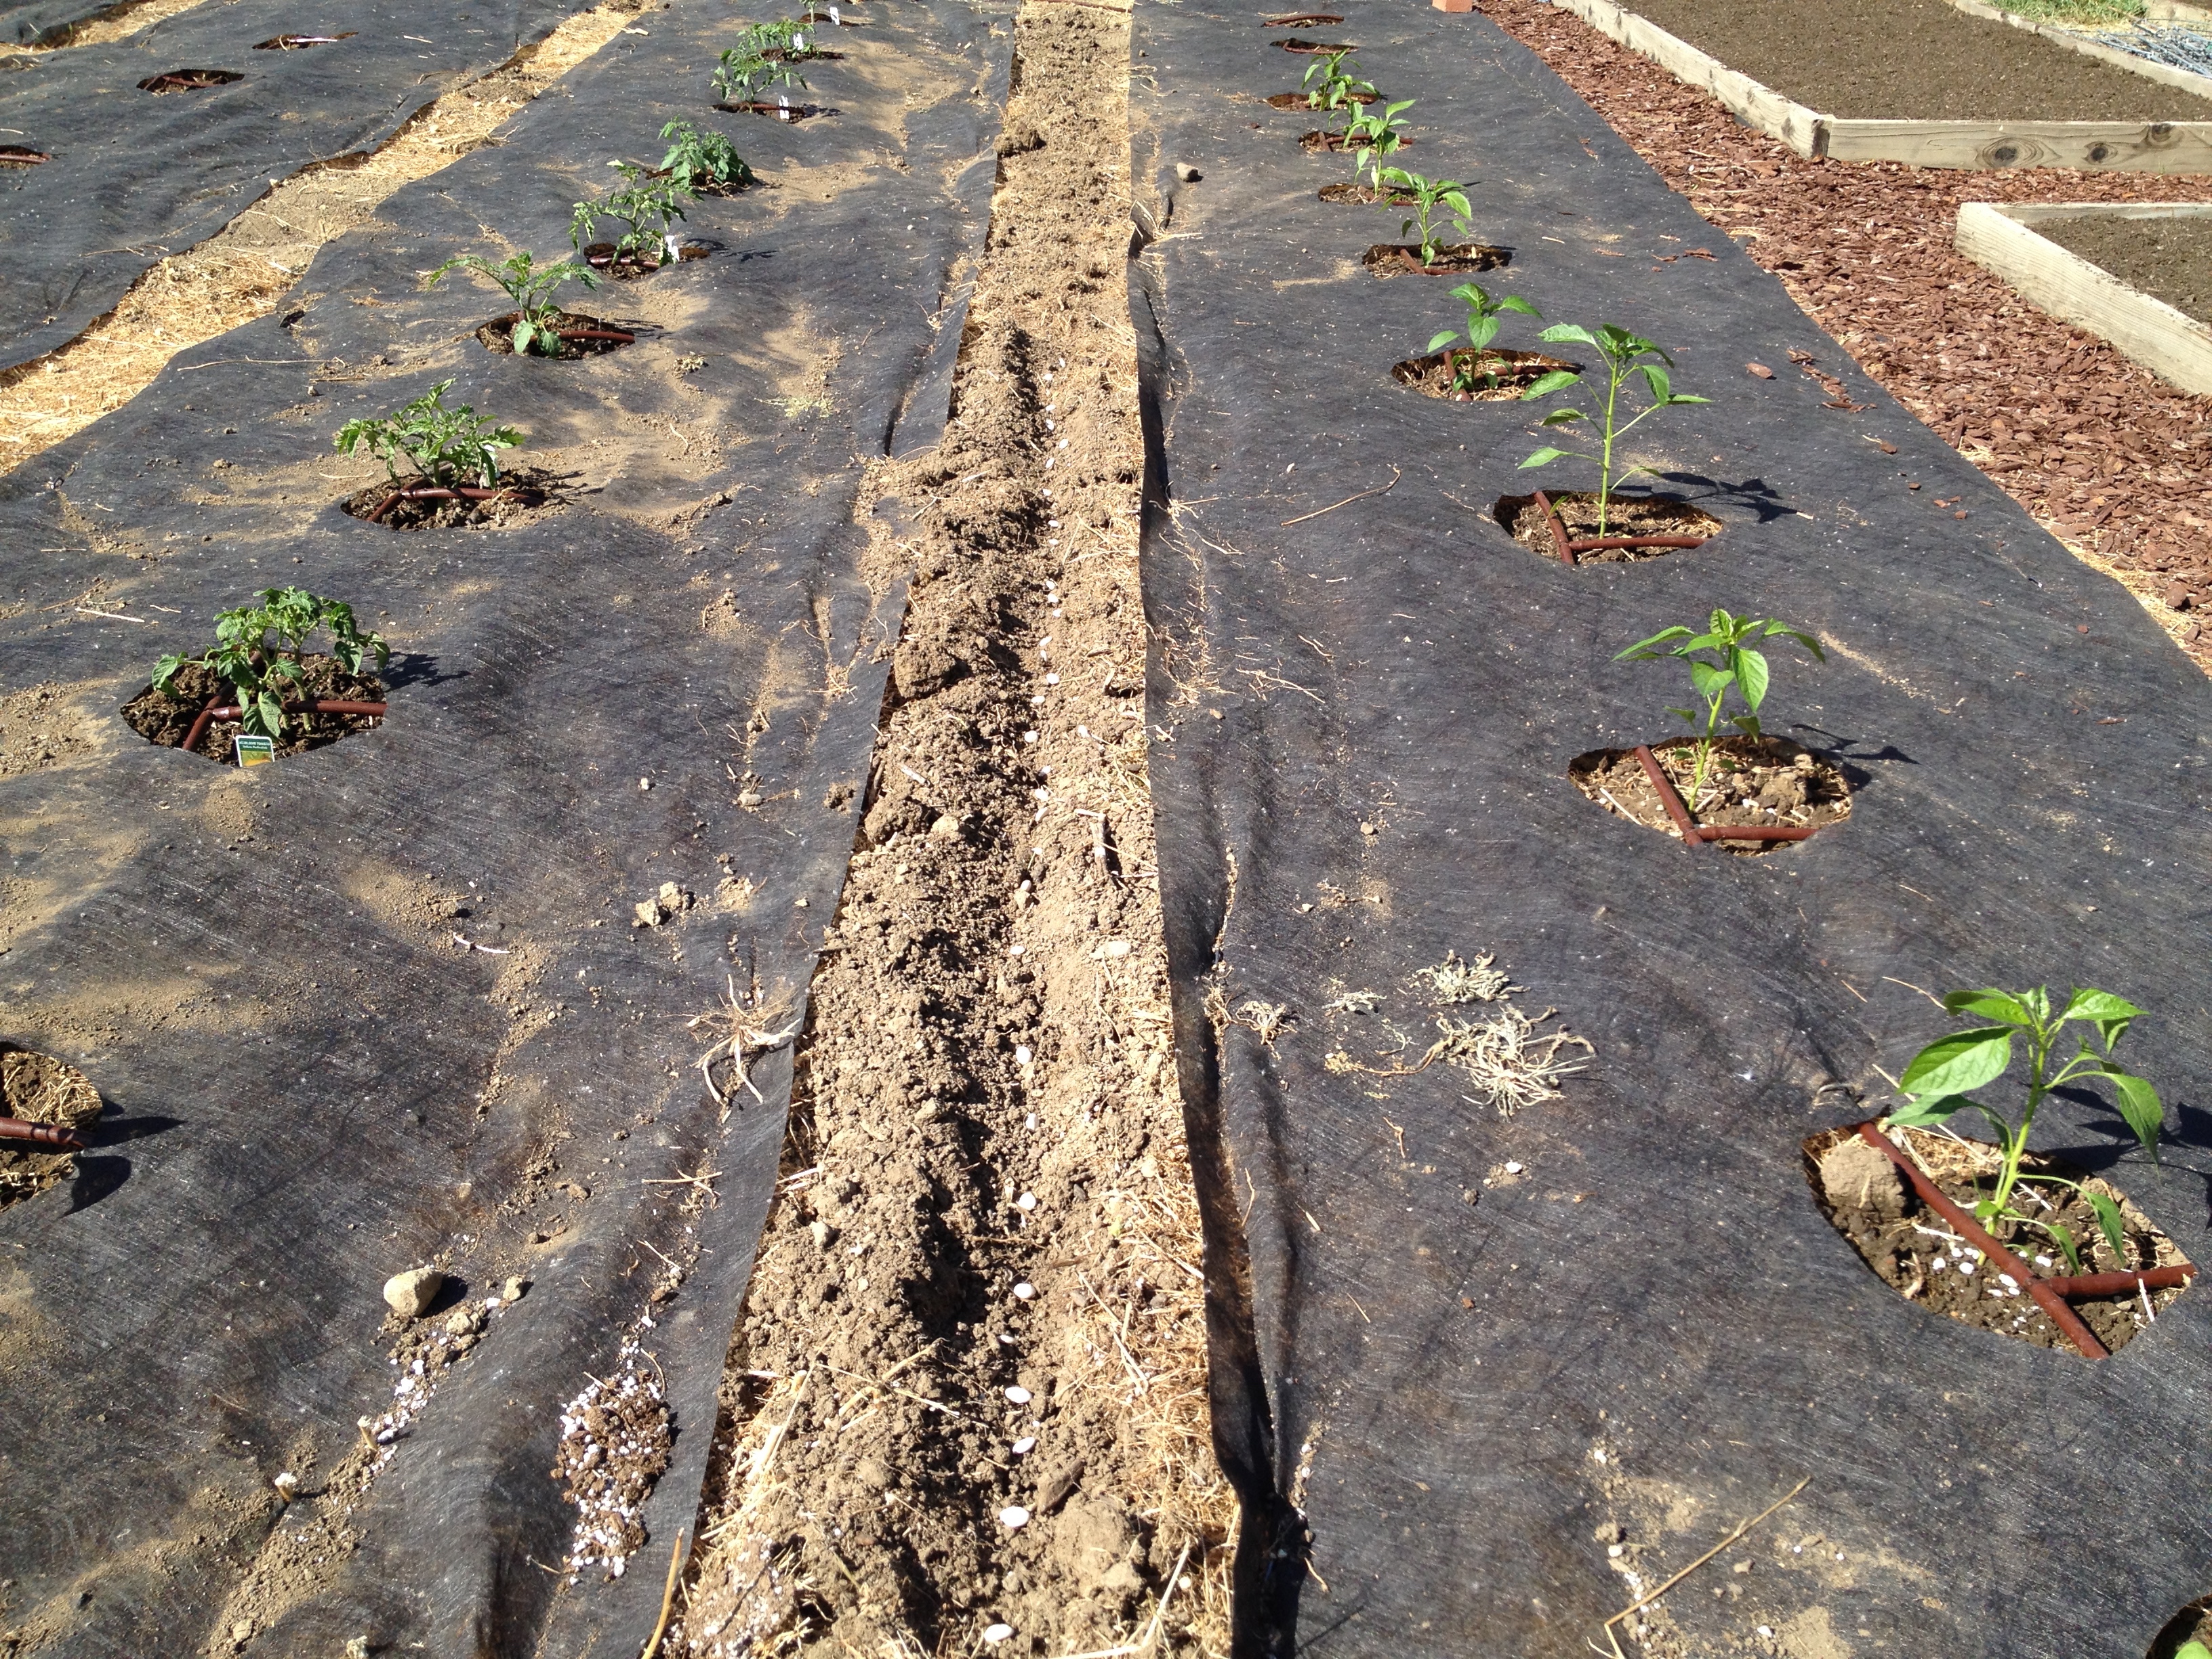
<point>246,271</point>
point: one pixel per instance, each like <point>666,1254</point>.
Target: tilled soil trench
<point>966,1405</point>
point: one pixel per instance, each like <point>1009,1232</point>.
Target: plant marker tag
<point>675,253</point>
<point>799,43</point>
<point>834,19</point>
<point>255,751</point>
<point>782,107</point>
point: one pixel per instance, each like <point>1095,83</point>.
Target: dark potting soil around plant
<point>1460,259</point>
<point>525,496</point>
<point>1362,196</point>
<point>1769,781</point>
<point>1298,100</point>
<point>1626,515</point>
<point>1918,1253</point>
<point>39,1089</point>
<point>1915,60</point>
<point>2169,259</point>
<point>1497,376</point>
<point>167,718</point>
<point>497,335</point>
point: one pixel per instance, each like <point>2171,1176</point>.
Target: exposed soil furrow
<point>966,1405</point>
<point>2110,459</point>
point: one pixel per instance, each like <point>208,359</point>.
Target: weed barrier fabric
<point>135,176</point>
<point>312,1084</point>
<point>1495,1365</point>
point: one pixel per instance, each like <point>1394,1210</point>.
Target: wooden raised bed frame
<point>2169,342</point>
<point>2097,146</point>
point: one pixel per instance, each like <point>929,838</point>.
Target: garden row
<point>419,1000</point>
<point>1605,1299</point>
<point>120,154</point>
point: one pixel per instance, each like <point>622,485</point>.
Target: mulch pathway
<point>2107,457</point>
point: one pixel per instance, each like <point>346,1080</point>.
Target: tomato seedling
<point>447,447</point>
<point>1483,313</point>
<point>1332,88</point>
<point>1619,350</point>
<point>695,158</point>
<point>643,206</point>
<point>1943,1075</point>
<point>1734,666</point>
<point>747,70</point>
<point>243,659</point>
<point>1372,137</point>
<point>1429,195</point>
<point>529,286</point>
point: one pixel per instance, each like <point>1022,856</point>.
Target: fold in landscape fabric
<point>313,1081</point>
<point>136,176</point>
<point>1511,1372</point>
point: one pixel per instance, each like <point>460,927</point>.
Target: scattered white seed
<point>1024,1290</point>
<point>1021,1053</point>
<point>1013,1517</point>
<point>996,1634</point>
<point>1029,736</point>
<point>1026,1201</point>
<point>1019,1395</point>
<point>1515,1167</point>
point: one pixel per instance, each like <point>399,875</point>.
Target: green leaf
<point>1643,647</point>
<point>1514,303</point>
<point>2140,1105</point>
<point>1655,378</point>
<point>1675,399</point>
<point>1574,332</point>
<point>1552,381</point>
<point>1710,682</point>
<point>1928,1113</point>
<point>1443,339</point>
<point>1562,417</point>
<point>1482,331</point>
<point>2192,1651</point>
<point>2110,1222</point>
<point>2111,1015</point>
<point>1962,1062</point>
<point>2064,1236</point>
<point>1750,676</point>
<point>1543,456</point>
<point>1991,1004</point>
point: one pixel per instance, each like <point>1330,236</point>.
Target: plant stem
<point>1614,370</point>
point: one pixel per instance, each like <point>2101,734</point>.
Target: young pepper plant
<point>1428,196</point>
<point>1332,88</point>
<point>1942,1077</point>
<point>243,659</point>
<point>1373,137</point>
<point>530,287</point>
<point>447,447</point>
<point>1720,660</point>
<point>1483,314</point>
<point>695,156</point>
<point>642,205</point>
<point>1619,350</point>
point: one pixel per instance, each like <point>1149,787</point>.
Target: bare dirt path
<point>965,1406</point>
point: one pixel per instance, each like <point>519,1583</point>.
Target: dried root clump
<point>1508,1063</point>
<point>1452,981</point>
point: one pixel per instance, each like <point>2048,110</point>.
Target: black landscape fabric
<point>137,175</point>
<point>1511,1372</point>
<point>389,1002</point>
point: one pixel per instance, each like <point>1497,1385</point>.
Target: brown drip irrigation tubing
<point>1597,544</point>
<point>320,706</point>
<point>437,492</point>
<point>200,724</point>
<point>2075,1285</point>
<point>2046,1295</point>
<point>1668,797</point>
<point>41,1135</point>
<point>1756,831</point>
<point>1558,531</point>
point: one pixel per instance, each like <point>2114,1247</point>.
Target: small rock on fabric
<point>409,1293</point>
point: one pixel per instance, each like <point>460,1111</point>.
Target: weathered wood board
<point>2181,146</point>
<point>2171,343</point>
